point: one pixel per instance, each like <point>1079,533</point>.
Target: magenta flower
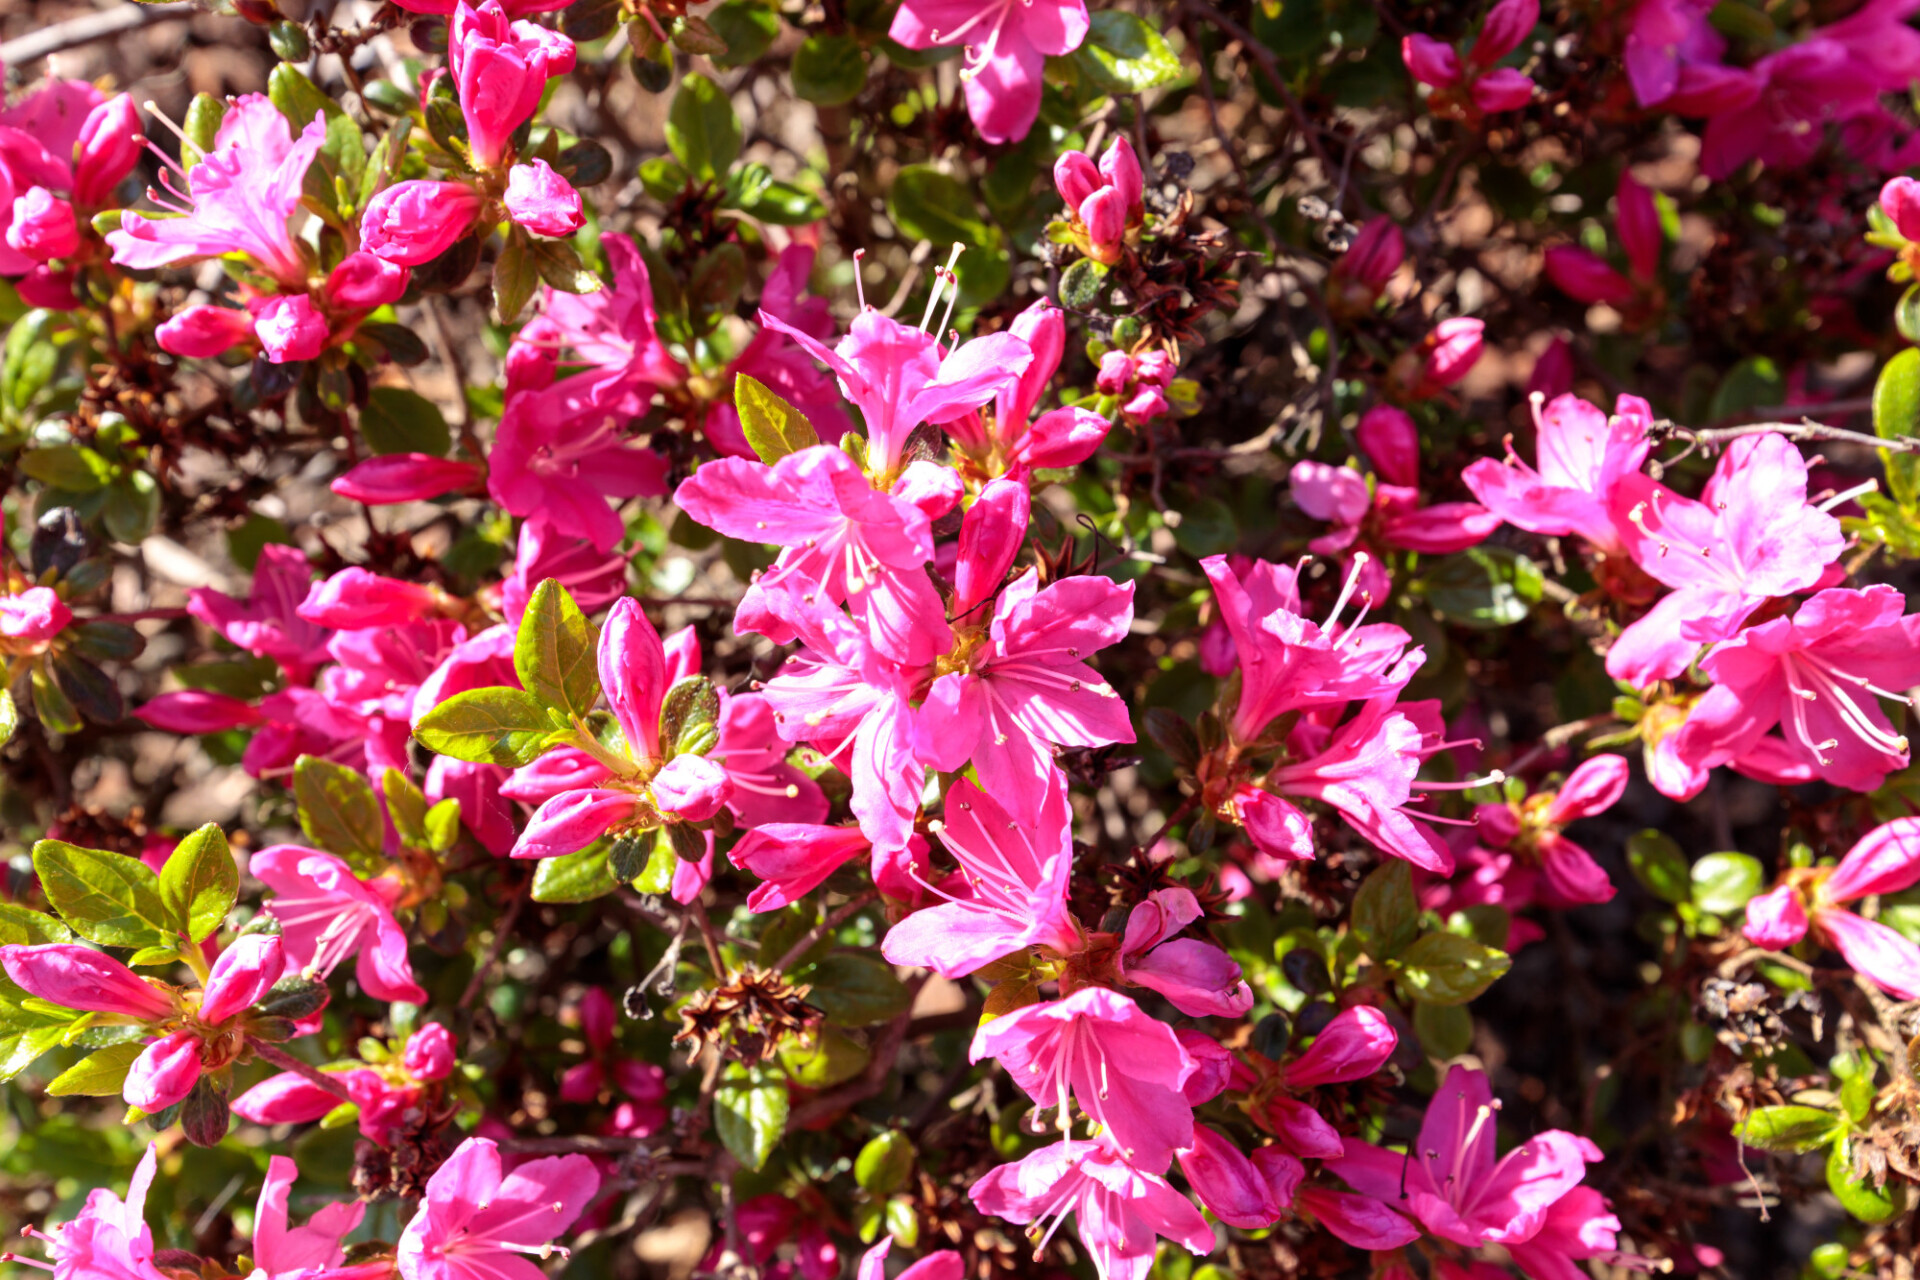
<point>542,201</point>
<point>1586,277</point>
<point>364,281</point>
<point>899,377</point>
<point>268,623</point>
<point>611,329</point>
<point>1484,87</point>
<point>1663,36</point>
<point>944,1264</point>
<point>1025,688</point>
<point>1097,1046</point>
<point>415,221</point>
<point>792,859</point>
<point>1578,1226</point>
<point>1199,977</point>
<point>561,452</point>
<point>500,70</point>
<point>78,977</point>
<point>355,598</point>
<point>1007,44</point>
<point>1450,1179</point>
<point>288,327</point>
<point>1887,860</point>
<point>1249,1194</point>
<point>1584,456</point>
<point>243,192</point>
<point>595,579</point>
<point>109,1238</point>
<point>203,332</point>
<point>328,914</point>
<point>1010,439</point>
<point>108,147</point>
<point>1122,1210</point>
<point>33,616</point>
<point>1011,892</point>
<point>1103,202</point>
<point>479,1223</point>
<point>1796,92</point>
<point>765,787</point>
<point>1820,676</point>
<point>1568,874</point>
<point>1751,536</point>
<point>1354,1045</point>
<point>43,226</point>
<point>282,1251</point>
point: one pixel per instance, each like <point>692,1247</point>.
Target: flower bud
<point>1121,168</point>
<point>1116,373</point>
<point>542,201</point>
<point>1776,919</point>
<point>242,975</point>
<point>1375,255</point>
<point>1351,1047</point>
<point>108,147</point>
<point>1392,442</point>
<point>500,69</point>
<point>364,281</point>
<point>693,787</point>
<point>203,332</point>
<point>1430,62</point>
<point>597,1019</point>
<point>44,287</point>
<point>198,711</point>
<point>990,537</point>
<point>429,1053</point>
<point>1552,374</point>
<point>1900,199</point>
<point>43,226</point>
<point>1076,178</point>
<point>1452,349</point>
<point>1105,215</point>
<point>1502,90</point>
<point>164,1073</point>
<point>416,221</point>
<point>1062,438</point>
<point>1154,369</point>
<point>1638,221</point>
<point>354,599</point>
<point>1238,1193</point>
<point>81,978</point>
<point>1585,277</point>
<point>288,327</point>
<point>1214,1070</point>
<point>1146,404</point>
<point>38,613</point>
<point>404,477</point>
<point>1508,23</point>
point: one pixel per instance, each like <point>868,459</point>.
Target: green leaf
<point>783,204</point>
<point>1483,587</point>
<point>396,420</point>
<point>515,277</point>
<point>487,726</point>
<point>773,427</point>
<point>51,704</point>
<point>883,1164</point>
<point>828,70</point>
<point>406,807</point>
<point>1445,1030</point>
<point>298,98</point>
<point>1445,968</point>
<point>199,882</point>
<point>558,263</point>
<point>1857,1195</point>
<point>9,717</point>
<point>1906,312</point>
<point>338,809</point>
<point>823,1058</point>
<point>702,131</point>
<point>68,467</point>
<point>663,178</point>
<point>1083,285</point>
<point>574,877</point>
<point>19,1048</point>
<point>748,28</point>
<point>1386,915</point>
<point>1722,882</point>
<point>30,359</point>
<point>25,927</point>
<point>1657,862</point>
<point>1788,1128</point>
<point>690,717</point>
<point>442,825</point>
<point>1122,54</point>
<point>750,1114</point>
<point>1896,415</point>
<point>98,1075</point>
<point>106,897</point>
<point>201,125</point>
<point>854,988</point>
<point>1754,382</point>
<point>931,205</point>
<point>554,652</point>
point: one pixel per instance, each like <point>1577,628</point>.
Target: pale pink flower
<point>109,1238</point>
<point>1007,43</point>
<point>477,1222</point>
<point>1584,456</point>
<point>328,914</point>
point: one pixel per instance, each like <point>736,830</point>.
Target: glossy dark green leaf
<point>554,653</point>
<point>397,420</point>
<point>338,809</point>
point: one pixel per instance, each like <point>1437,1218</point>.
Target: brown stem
<point>821,930</point>
<point>494,947</point>
<point>306,1071</point>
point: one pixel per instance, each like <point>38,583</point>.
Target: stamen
<point>1848,495</point>
<point>859,285</point>
<point>1360,561</point>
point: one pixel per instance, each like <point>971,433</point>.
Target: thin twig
<point>306,1071</point>
<point>819,931</point>
<point>87,28</point>
<point>1806,429</point>
<point>500,935</point>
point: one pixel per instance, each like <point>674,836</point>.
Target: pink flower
<point>478,1223</point>
<point>1585,276</point>
<point>1664,35</point>
<point>793,859</point>
<point>1507,24</point>
<point>945,1264</point>
<point>203,332</point>
<point>1637,220</point>
<point>542,201</point>
<point>1122,1210</point>
<point>355,598</point>
<point>1430,62</point>
<point>327,914</point>
<point>1027,689</point>
<point>282,1251</point>
<point>1887,860</point>
<point>611,329</point>
<point>416,221</point>
<point>43,226</point>
<point>1503,89</point>
<point>1578,1226</point>
<point>108,147</point>
<point>1125,1069</point>
<point>593,578</point>
<point>1104,202</point>
<point>1010,895</point>
<point>404,477</point>
<point>1584,457</point>
<point>77,977</point>
<point>34,615</point>
<point>288,327</point>
<point>109,1238</point>
<point>1011,439</point>
<point>198,711</point>
<point>501,69</point>
<point>364,281</point>
<point>1199,977</point>
<point>1007,44</point>
<point>241,976</point>
<point>765,787</point>
<point>1750,537</point>
<point>429,1054</point>
<point>164,1073</point>
<point>1819,675</point>
<point>1568,874</point>
<point>899,377</point>
<point>514,8</point>
<point>268,623</point>
<point>1361,274</point>
<point>1451,350</point>
<point>1354,1045</point>
<point>561,452</point>
<point>1799,90</point>
<point>1389,516</point>
<point>243,192</point>
<point>1450,1179</point>
<point>1249,1194</point>
<point>1900,200</point>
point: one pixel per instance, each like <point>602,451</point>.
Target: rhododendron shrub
<point>951,640</point>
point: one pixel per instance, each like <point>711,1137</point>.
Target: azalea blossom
<point>268,622</point>
<point>109,1237</point>
<point>1010,439</point>
<point>1007,43</point>
<point>478,1222</point>
<point>282,1251</point>
<point>1886,860</point>
<point>560,453</point>
<point>328,914</point>
<point>1199,977</point>
<point>1584,456</point>
<point>1568,874</point>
